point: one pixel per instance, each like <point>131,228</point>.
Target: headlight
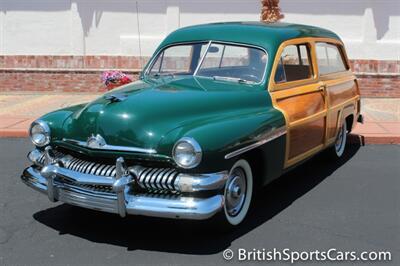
<point>40,133</point>
<point>187,153</point>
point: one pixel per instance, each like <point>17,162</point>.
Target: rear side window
<point>329,58</point>
<point>294,64</point>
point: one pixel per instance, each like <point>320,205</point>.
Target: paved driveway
<point>351,205</point>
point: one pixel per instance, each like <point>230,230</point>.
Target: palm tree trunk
<point>271,11</point>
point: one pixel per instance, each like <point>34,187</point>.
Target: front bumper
<point>61,184</point>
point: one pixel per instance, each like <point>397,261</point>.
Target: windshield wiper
<point>239,80</point>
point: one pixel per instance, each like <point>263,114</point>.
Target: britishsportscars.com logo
<point>292,256</point>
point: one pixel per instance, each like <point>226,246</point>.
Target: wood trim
<point>307,119</point>
<point>273,86</point>
<point>284,90</point>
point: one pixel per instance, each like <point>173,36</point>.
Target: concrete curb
<point>4,133</point>
<point>371,139</point>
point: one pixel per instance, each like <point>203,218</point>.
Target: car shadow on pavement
<point>190,237</point>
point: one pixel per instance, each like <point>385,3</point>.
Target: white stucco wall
<point>370,29</point>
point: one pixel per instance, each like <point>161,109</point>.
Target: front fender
<point>218,137</point>
<point>56,120</point>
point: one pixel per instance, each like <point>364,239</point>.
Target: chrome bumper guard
<point>65,185</point>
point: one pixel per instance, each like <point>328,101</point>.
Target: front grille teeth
<point>148,178</point>
<point>158,179</point>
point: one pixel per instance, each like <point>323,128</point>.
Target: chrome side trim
<point>273,134</point>
<point>111,147</point>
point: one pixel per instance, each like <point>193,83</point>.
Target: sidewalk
<point>381,121</point>
<point>17,111</point>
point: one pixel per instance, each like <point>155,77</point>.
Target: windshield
<point>217,60</point>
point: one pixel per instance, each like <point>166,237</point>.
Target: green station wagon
<point>219,111</point>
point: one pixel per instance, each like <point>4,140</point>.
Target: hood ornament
<point>115,97</point>
<point>95,142</point>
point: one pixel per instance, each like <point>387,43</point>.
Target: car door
<point>297,92</point>
<point>340,84</point>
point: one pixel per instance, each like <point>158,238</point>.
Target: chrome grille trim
<point>156,179</point>
<point>107,147</point>
<point>148,178</point>
<point>83,166</point>
<point>165,178</point>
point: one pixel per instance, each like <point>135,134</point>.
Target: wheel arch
<point>349,122</point>
<point>266,161</point>
<point>257,161</point>
<point>348,116</point>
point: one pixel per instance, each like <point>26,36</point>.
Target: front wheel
<point>237,196</point>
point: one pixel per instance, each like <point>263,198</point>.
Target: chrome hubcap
<point>235,192</point>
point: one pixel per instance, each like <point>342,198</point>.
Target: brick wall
<point>82,73</point>
<point>61,73</point>
<point>378,78</point>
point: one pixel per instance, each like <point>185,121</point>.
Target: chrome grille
<point>157,179</point>
<point>91,168</point>
<point>57,154</point>
<point>85,167</point>
<point>151,179</point>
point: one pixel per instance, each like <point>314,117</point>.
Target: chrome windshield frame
<point>155,57</point>
<point>209,43</point>
<point>240,45</point>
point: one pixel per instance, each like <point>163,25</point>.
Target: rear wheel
<point>338,148</point>
<point>237,194</point>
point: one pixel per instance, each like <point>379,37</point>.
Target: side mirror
<point>213,49</point>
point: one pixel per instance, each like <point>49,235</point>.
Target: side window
<point>329,58</point>
<point>294,64</point>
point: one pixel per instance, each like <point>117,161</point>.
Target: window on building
<point>329,58</point>
<point>294,64</point>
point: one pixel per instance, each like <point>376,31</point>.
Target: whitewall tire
<point>238,193</point>
<point>339,146</point>
<point>340,142</point>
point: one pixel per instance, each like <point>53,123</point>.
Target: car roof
<point>266,35</point>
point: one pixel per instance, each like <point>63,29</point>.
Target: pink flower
<point>113,78</point>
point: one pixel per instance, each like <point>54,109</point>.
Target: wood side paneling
<point>332,124</point>
<point>341,92</point>
<point>306,137</point>
<point>301,106</point>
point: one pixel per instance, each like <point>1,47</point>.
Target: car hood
<point>147,110</point>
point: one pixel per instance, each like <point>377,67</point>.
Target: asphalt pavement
<point>349,205</point>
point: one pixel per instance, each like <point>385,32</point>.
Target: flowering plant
<point>113,79</point>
